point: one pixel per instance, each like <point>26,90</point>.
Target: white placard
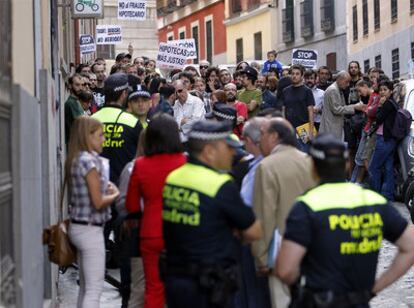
<point>189,44</point>
<point>171,56</point>
<point>132,10</point>
<point>86,44</point>
<point>87,8</point>
<point>108,34</point>
<point>306,57</point>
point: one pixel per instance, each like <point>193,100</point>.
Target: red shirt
<point>147,182</point>
<point>241,109</point>
<point>371,110</point>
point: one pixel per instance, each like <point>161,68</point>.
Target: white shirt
<point>318,95</point>
<point>192,109</point>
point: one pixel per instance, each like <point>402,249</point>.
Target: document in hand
<point>274,249</point>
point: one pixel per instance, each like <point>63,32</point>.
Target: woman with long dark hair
<point>162,154</point>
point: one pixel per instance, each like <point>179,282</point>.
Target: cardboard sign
<point>87,9</point>
<point>132,10</point>
<point>86,44</point>
<point>186,43</point>
<point>307,58</point>
<point>108,34</point>
<point>171,56</point>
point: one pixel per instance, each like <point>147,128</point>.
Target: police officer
<point>202,213</point>
<point>334,234</point>
<point>121,128</point>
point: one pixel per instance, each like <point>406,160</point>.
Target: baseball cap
<point>206,130</point>
<point>251,71</point>
<point>122,55</point>
<point>326,146</point>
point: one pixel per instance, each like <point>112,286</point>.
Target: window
<point>394,10</point>
<point>170,38</point>
<point>306,15</point>
<point>182,35</point>
<point>258,54</point>
<point>105,51</point>
<point>194,32</point>
<point>331,61</point>
<point>377,14</point>
<point>412,6</point>
<point>395,60</point>
<point>209,41</point>
<point>236,7</point>
<point>239,50</point>
<point>378,61</point>
<point>412,50</point>
<point>365,16</point>
<point>327,15</point>
<point>288,22</point>
<point>252,4</point>
<point>355,22</point>
<point>366,66</point>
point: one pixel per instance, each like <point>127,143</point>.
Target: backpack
<point>402,123</point>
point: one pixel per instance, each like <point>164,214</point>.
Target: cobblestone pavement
<point>398,295</point>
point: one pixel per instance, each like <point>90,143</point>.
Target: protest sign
<point>186,43</point>
<point>307,58</point>
<point>171,56</point>
<point>86,44</point>
<point>132,10</point>
<point>108,34</point>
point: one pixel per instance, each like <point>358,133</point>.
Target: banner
<point>87,9</point>
<point>307,58</point>
<point>171,56</point>
<point>86,44</point>
<point>132,10</point>
<point>108,34</point>
<point>186,43</point>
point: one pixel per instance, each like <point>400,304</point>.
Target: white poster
<point>189,44</point>
<point>132,10</point>
<point>87,8</point>
<point>171,56</point>
<point>86,44</point>
<point>108,34</point>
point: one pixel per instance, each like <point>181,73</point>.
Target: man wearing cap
<point>333,236</point>
<point>123,58</point>
<point>250,95</point>
<point>121,128</point>
<point>282,176</point>
<point>202,213</point>
<point>187,109</point>
<point>139,104</point>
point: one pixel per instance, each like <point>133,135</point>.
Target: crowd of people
<point>203,174</point>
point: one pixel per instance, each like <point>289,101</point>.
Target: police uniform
<point>201,208</point>
<point>121,129</point>
<point>342,226</point>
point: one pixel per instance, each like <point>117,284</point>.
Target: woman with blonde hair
<point>91,193</point>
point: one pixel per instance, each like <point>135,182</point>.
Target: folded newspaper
<point>274,249</point>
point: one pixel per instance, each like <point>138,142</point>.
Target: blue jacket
<point>267,65</point>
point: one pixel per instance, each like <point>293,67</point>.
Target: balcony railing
<point>165,7</point>
<point>327,15</point>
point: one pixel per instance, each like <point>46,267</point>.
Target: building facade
<point>251,29</point>
<point>381,34</point>
<point>312,24</point>
<point>201,20</point>
<point>141,35</point>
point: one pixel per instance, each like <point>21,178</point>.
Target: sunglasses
<point>203,66</point>
<point>179,91</point>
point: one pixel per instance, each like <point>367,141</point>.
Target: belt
<point>87,223</point>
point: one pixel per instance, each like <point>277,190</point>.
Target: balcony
<point>288,25</point>
<point>165,7</point>
<point>327,15</point>
<point>306,15</point>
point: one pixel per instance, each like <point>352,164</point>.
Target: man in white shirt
<point>187,109</point>
<point>318,94</point>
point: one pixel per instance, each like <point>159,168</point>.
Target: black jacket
<point>386,115</point>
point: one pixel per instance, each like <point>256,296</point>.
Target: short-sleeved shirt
<point>73,109</point>
<point>201,207</point>
<point>81,208</point>
<point>246,96</point>
<point>296,101</point>
<point>342,226</point>
<point>122,130</point>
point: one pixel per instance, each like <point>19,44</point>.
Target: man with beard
<point>98,91</point>
<point>310,81</point>
<point>324,78</point>
<point>269,99</point>
<point>250,95</point>
<point>241,108</point>
<point>73,108</point>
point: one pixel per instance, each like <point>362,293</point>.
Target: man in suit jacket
<point>283,175</point>
<point>335,108</point>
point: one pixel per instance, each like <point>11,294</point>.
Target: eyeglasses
<point>179,91</point>
<point>203,66</point>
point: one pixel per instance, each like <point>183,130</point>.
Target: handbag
<point>61,250</point>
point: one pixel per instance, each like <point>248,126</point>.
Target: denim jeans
<point>359,161</point>
<point>383,157</point>
<point>89,240</point>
